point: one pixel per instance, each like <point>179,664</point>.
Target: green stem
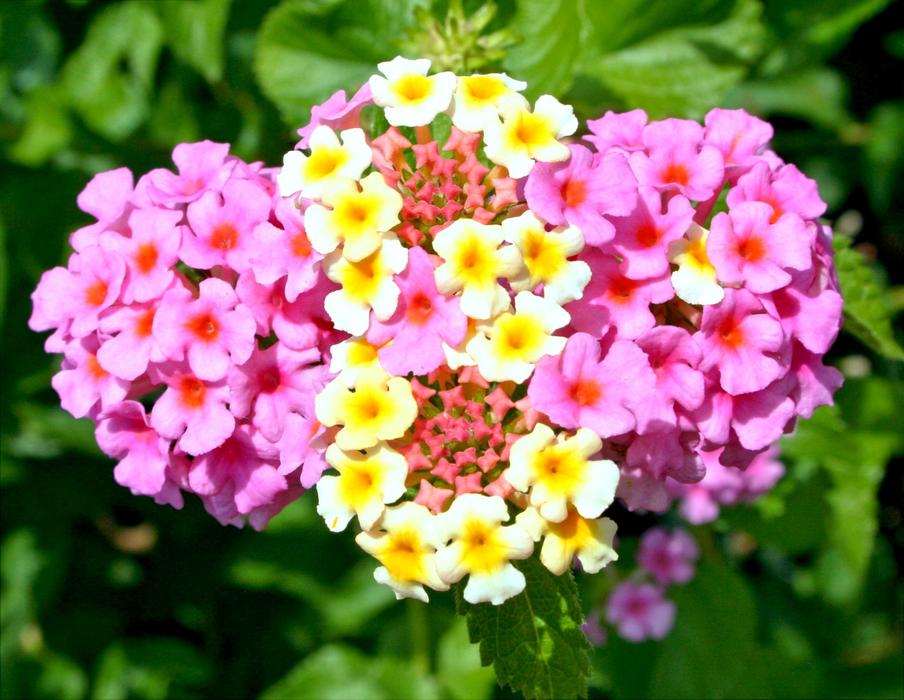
<point>419,635</point>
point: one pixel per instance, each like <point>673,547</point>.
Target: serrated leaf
<point>534,640</point>
<point>194,33</point>
<point>866,312</point>
<point>551,34</point>
<point>686,70</point>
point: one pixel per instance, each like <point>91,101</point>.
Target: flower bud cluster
<point>468,329</point>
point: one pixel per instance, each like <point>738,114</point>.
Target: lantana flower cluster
<point>468,328</point>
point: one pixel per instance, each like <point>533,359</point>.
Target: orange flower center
<point>419,309</point>
<point>96,293</point>
<point>204,326</point>
<point>574,192</point>
<point>224,237</point>
<point>146,257</point>
<point>191,392</point>
<point>585,392</point>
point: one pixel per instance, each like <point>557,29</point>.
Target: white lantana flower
<point>329,160</point>
<point>479,97</point>
<point>408,95</point>
<point>351,356</point>
<point>482,549</point>
<point>545,254</point>
<point>508,348</point>
<point>359,218</point>
<point>366,284</point>
<point>405,542</point>
<point>559,472</point>
<point>367,481</point>
<point>524,136</point>
<point>588,539</point>
<point>473,263</point>
<point>695,279</point>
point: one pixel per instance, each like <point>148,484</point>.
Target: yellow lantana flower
<point>329,160</point>
<point>367,480</point>
<point>695,279</point>
<point>359,218</point>
<point>378,407</point>
<point>474,262</point>
<point>559,472</point>
<point>405,543</point>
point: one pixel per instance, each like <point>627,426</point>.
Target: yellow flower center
<point>324,162</point>
<point>530,131</point>
<point>360,482</point>
<point>356,214</point>
<point>560,469</point>
<point>574,531</point>
<point>362,279</point>
<point>474,262</point>
<point>518,337</point>
<point>482,89</point>
<point>543,256</point>
<point>403,555</point>
<point>413,89</point>
<point>482,549</point>
<point>697,258</point>
<point>360,352</point>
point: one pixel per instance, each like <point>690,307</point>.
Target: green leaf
<point>866,414</point>
<point>47,129</point>
<point>534,640</point>
<point>194,31</point>
<point>305,52</point>
<point>682,71</point>
<point>149,668</point>
<point>109,77</point>
<point>884,155</point>
<point>551,33</point>
<point>866,311</point>
<point>809,31</point>
<point>339,672</point>
<point>818,95</point>
<point>458,666</point>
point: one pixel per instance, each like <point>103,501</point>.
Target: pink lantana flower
<point>816,382</point>
<point>238,476</point>
<point>301,324</point>
<point>150,253</point>
<point>642,238</point>
<point>107,197</point>
<point>192,411</point>
<point>640,611</point>
<point>665,453</point>
<point>82,383</point>
<point>423,319</point>
<point>202,166</point>
<point>741,342</point>
<point>214,329</point>
<point>787,190</point>
<point>611,298</point>
<point>123,432</point>
<point>745,248</point>
<point>285,252</point>
<point>92,285</point>
<point>221,230</point>
<point>676,160</point>
<point>809,309</point>
<point>723,485</point>
<point>673,355</point>
<point>581,191</point>
<point>739,136</point>
<point>132,345</point>
<point>622,130</point>
<point>578,390</point>
<point>273,383</point>
<point>337,113</point>
<point>669,556</point>
<point>303,444</point>
<point>756,419</point>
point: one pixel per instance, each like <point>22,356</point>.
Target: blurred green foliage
<point>108,596</point>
